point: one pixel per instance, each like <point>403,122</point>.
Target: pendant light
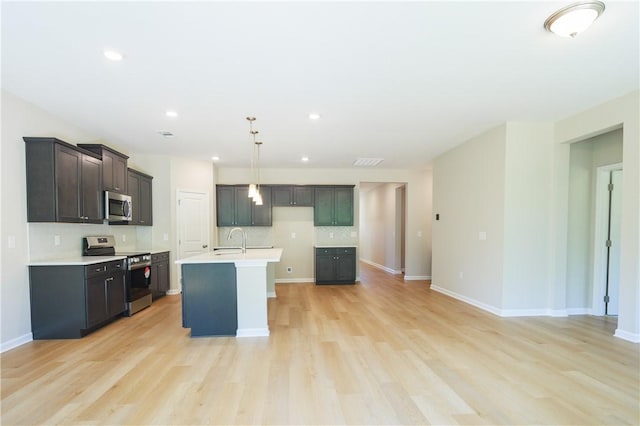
<point>254,186</point>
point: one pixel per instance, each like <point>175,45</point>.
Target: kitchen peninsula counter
<point>224,292</point>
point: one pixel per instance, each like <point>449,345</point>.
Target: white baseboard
<point>14,343</point>
<point>625,335</point>
<point>579,311</point>
<point>173,291</point>
<point>466,299</point>
<point>417,277</point>
<point>252,332</point>
<point>294,280</point>
<point>271,295</point>
<point>384,268</point>
<point>501,312</point>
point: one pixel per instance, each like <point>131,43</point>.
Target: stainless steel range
<point>138,267</point>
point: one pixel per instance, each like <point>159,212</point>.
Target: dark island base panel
<point>209,299</point>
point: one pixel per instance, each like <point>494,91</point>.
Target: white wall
<point>528,181</point>
<point>468,196</point>
<point>418,222</point>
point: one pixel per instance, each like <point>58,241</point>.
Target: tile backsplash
<point>44,236</point>
<point>338,235</point>
<point>264,236</point>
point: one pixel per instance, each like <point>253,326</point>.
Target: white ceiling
<point>400,81</point>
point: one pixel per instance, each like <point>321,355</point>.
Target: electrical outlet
<point>56,240</point>
<point>482,236</point>
<point>293,235</point>
<point>289,269</point>
<point>354,234</point>
<point>419,234</point>
<point>124,238</point>
<point>11,242</point>
<point>165,237</point>
<point>461,275</point>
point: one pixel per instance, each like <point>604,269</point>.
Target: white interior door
<point>614,250</point>
<point>193,223</point>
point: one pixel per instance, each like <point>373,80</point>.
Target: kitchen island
<point>224,292</point>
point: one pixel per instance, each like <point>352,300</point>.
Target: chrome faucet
<point>244,238</point>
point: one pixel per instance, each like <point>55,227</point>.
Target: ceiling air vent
<point>367,162</point>
<point>165,133</point>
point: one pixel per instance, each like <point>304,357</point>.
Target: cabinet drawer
<point>95,269</point>
<point>103,268</point>
<point>347,250</point>
<point>325,251</point>
<point>160,257</point>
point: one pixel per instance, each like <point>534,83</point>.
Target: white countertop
<point>156,251</point>
<point>336,246</point>
<point>75,260</point>
<point>251,257</point>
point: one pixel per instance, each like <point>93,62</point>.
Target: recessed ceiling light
<point>215,158</point>
<point>314,116</point>
<point>171,113</point>
<point>305,159</point>
<point>575,18</point>
<point>113,55</point>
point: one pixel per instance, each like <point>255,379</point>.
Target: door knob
<point>205,246</point>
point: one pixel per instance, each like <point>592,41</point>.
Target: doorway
<point>606,273</point>
<point>382,225</point>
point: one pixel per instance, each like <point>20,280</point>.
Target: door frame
<point>600,237</point>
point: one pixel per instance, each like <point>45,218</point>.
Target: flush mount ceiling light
<point>113,55</point>
<point>314,116</point>
<point>215,158</point>
<point>304,159</point>
<point>171,113</point>
<point>573,19</point>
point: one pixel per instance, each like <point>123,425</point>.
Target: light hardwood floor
<point>380,352</point>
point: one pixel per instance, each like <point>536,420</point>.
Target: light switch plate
<point>419,234</point>
<point>124,238</point>
<point>293,235</point>
<point>330,234</point>
<point>11,242</point>
<point>482,235</point>
<point>56,240</point>
<point>354,234</point>
<point>165,237</point>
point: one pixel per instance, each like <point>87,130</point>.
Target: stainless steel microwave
<point>117,207</point>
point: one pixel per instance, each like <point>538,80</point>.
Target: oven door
<point>139,281</point>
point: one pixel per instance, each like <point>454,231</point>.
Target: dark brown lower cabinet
<point>335,265</point>
<point>160,274</point>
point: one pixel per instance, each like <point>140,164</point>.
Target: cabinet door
<point>153,279</point>
<point>163,277</point>
<point>261,215</point>
<point>96,300</point>
<point>343,207</point>
<point>119,174</point>
<point>243,206</point>
<point>302,196</point>
<point>133,185</point>
<point>323,207</point>
<point>281,196</point>
<point>325,268</point>
<point>225,205</point>
<point>92,210</point>
<point>345,267</point>
<point>107,171</point>
<point>145,201</point>
<point>68,178</point>
<point>116,294</point>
